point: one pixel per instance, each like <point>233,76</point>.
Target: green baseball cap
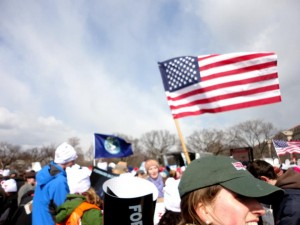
<point>230,174</point>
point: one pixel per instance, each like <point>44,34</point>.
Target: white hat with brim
<point>9,185</point>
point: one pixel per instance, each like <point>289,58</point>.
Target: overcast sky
<point>73,68</point>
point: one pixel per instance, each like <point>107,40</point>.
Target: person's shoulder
<point>75,198</point>
<point>72,201</point>
<point>27,197</point>
<point>293,193</point>
<point>43,172</point>
<point>57,172</point>
<point>56,169</point>
<point>92,215</point>
<point>26,185</point>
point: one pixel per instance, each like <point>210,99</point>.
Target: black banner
<point>98,177</point>
<point>129,201</point>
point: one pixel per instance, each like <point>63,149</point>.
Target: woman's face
<point>229,208</point>
<point>153,172</point>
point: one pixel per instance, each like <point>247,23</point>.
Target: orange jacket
<point>75,217</point>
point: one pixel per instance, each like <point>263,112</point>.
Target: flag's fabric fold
<point>110,146</point>
<point>220,82</point>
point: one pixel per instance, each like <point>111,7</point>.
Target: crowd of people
<point>211,190</point>
<point>16,192</point>
<point>60,193</point>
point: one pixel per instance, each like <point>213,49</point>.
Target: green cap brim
<point>251,187</point>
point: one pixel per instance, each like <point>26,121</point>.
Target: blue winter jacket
<point>52,187</point>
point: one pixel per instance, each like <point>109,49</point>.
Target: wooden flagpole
<point>187,157</point>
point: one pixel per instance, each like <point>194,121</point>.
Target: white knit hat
<point>9,185</point>
<point>6,173</point>
<point>78,179</point>
<point>171,195</point>
<point>64,153</point>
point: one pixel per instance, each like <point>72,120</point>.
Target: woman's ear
<point>203,213</point>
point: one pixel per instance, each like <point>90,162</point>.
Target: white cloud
<point>26,129</point>
<point>74,68</point>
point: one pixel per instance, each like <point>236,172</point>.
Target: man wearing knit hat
<point>29,185</point>
<point>52,187</point>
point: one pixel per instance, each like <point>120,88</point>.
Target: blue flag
<point>109,146</point>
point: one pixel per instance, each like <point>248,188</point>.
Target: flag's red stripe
<point>207,57</point>
<point>230,107</point>
<point>286,150</point>
<point>297,143</point>
<point>224,85</point>
<point>233,60</point>
<point>295,151</point>
<point>238,71</point>
<point>227,96</point>
<point>281,153</point>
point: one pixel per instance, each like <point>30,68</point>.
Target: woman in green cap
<point>218,190</point>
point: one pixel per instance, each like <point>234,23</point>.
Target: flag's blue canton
<point>280,144</point>
<point>179,72</point>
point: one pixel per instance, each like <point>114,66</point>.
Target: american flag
<point>284,147</point>
<point>220,82</point>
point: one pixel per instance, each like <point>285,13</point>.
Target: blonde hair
<point>92,197</point>
<point>190,201</point>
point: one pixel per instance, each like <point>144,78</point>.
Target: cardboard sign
<point>243,155</point>
<point>129,201</point>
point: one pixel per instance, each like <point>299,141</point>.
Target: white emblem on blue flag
<point>112,145</point>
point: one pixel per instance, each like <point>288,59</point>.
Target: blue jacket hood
<point>48,173</point>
